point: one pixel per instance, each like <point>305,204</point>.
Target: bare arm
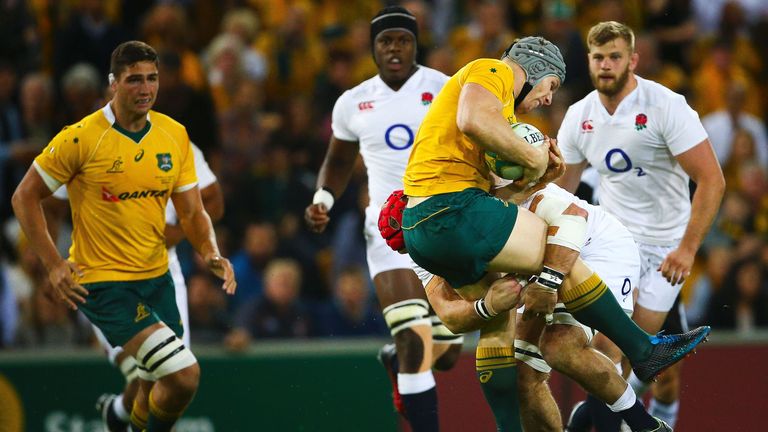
<point>198,229</point>
<point>701,165</point>
<point>213,202</point>
<point>334,174</point>
<point>480,117</point>
<point>459,315</point>
<point>27,205</point>
<point>570,180</point>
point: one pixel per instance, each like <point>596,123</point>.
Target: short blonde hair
<point>606,31</point>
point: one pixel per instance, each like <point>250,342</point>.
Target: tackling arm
<point>460,315</point>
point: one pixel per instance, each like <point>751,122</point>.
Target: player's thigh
<point>160,292</point>
<point>524,249</point>
<point>614,257</point>
<point>118,309</point>
<point>456,235</point>
<point>655,293</point>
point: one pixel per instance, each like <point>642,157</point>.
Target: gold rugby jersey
<point>119,183</point>
<point>443,159</point>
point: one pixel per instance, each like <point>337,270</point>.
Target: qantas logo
<point>106,195</point>
<point>366,105</point>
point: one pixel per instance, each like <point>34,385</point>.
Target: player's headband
<point>394,18</point>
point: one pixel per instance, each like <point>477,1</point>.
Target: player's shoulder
<point>433,75</point>
<point>364,91</point>
<point>93,124</point>
<point>165,121</point>
<point>167,124</point>
<point>654,94</point>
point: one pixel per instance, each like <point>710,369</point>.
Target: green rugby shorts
<point>455,235</point>
<point>122,309</point>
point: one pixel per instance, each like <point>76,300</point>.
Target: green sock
<point>497,372</point>
<point>159,419</point>
<point>138,418</point>
<point>593,304</point>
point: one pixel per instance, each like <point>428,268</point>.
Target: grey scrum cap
<point>538,57</point>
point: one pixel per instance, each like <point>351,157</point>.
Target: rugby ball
<point>510,170</point>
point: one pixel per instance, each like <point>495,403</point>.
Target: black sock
<point>602,417</point>
<point>422,410</point>
<point>113,421</point>
<point>581,419</point>
<point>637,417</point>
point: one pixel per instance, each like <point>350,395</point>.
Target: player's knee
<point>185,381</point>
<point>529,356</point>
<point>410,350</point>
<point>449,358</point>
<point>567,221</point>
<point>559,344</point>
<point>406,314</point>
<point>163,354</point>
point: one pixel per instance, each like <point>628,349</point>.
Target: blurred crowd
<point>254,82</point>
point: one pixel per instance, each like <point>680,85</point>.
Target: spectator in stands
<point>651,67</point>
<point>209,320</point>
<point>486,34</point>
<point>708,284</point>
<point>278,313</point>
<point>723,125</point>
<point>81,92</point>
<point>167,28</point>
<point>244,24</point>
<point>189,106</point>
<point>89,37</point>
<point>742,304</point>
<point>250,262</point>
<point>352,311</point>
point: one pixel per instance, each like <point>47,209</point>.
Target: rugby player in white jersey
<point>645,142</point>
<point>378,119</point>
<point>115,409</point>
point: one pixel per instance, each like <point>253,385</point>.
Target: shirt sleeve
<point>60,160</point>
<point>494,75</point>
<point>205,177</point>
<point>682,129</point>
<point>566,139</point>
<point>341,118</point>
<point>187,177</point>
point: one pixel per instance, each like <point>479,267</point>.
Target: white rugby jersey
<point>634,151</point>
<point>385,123</point>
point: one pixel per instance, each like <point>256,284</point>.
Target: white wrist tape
<point>483,310</point>
<point>323,197</point>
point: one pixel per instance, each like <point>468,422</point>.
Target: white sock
<point>625,401</point>
<point>120,409</point>
<point>666,412</point>
<point>415,383</point>
<point>638,386</point>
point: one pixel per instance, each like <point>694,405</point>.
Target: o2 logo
<point>399,136</point>
<point>619,162</point>
<point>626,288</point>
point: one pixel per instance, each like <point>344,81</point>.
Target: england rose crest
<point>426,98</point>
<point>640,121</point>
